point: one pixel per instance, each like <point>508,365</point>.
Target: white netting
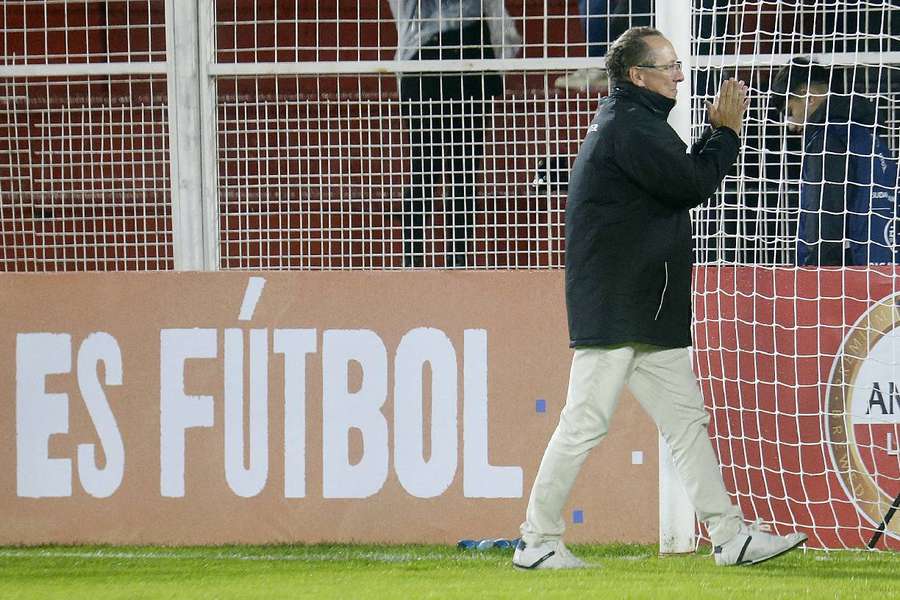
<point>301,31</point>
<point>312,177</point>
<point>337,165</point>
<point>84,175</point>
<point>84,160</point>
<point>38,32</point>
<point>798,364</point>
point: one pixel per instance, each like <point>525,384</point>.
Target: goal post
<point>676,512</point>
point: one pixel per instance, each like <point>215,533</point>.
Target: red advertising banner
<point>800,369</point>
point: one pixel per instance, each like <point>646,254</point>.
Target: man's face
<point>800,106</point>
<point>662,71</point>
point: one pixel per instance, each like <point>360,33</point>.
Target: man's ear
<point>636,77</point>
<point>818,89</point>
<point>815,100</point>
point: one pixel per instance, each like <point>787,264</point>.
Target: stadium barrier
<point>204,408</point>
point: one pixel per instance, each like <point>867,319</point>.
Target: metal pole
<point>184,135</point>
<point>206,59</point>
<point>676,513</point>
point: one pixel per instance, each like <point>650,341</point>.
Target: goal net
<point>796,290</point>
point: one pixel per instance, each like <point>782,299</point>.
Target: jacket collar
<point>657,103</point>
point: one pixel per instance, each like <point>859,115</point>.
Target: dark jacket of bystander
<point>848,188</point>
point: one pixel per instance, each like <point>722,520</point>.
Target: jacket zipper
<point>663,295</point>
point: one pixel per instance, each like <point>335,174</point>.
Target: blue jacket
<point>848,189</point>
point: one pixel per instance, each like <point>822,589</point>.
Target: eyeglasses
<point>675,67</point>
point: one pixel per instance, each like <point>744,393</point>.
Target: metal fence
<point>230,134</point>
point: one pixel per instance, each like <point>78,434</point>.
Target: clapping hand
<point>727,110</point>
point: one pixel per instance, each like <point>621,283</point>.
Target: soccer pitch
<point>356,571</point>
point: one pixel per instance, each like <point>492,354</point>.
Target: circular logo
<point>862,415</point>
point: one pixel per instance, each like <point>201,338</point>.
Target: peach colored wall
<point>510,326</point>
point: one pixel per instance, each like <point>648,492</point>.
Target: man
<point>848,175</point>
<point>628,294</point>
<point>445,112</point>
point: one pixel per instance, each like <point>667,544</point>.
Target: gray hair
<point>629,50</point>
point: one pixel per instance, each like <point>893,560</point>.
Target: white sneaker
<point>752,546</point>
<point>549,555</point>
<point>592,80</point>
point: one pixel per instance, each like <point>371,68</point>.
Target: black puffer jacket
<point>628,230</point>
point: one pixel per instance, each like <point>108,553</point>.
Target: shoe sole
<point>770,557</point>
<point>539,565</point>
<point>536,565</point>
<point>537,568</point>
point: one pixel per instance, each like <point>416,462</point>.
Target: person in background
<point>445,112</point>
<point>848,181</point>
<point>629,260</point>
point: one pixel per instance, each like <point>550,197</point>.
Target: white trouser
<point>664,384</point>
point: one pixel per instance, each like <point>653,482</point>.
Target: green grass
<point>356,571</point>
